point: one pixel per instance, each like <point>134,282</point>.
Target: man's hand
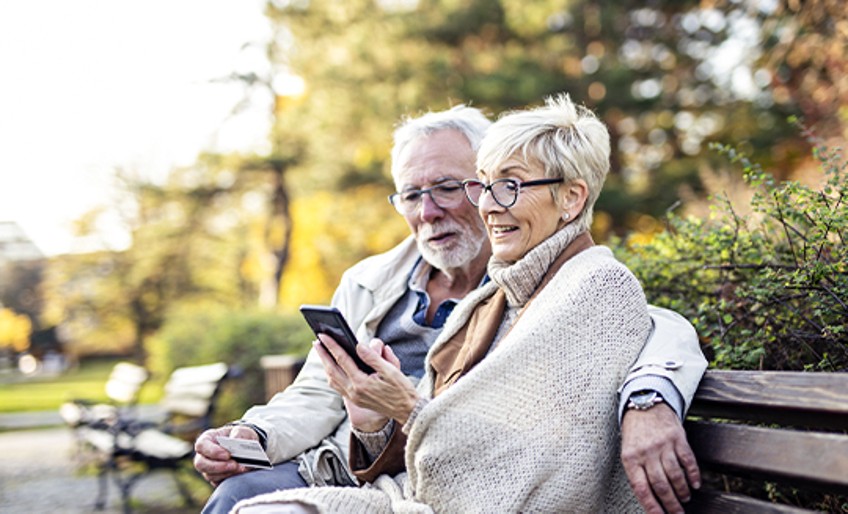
<point>659,463</point>
<point>212,460</point>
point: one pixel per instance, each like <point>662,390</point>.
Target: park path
<point>38,474</point>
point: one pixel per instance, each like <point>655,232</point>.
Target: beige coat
<point>308,418</point>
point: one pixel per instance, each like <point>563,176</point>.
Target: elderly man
<point>404,296</point>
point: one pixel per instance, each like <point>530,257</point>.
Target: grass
<point>41,393</point>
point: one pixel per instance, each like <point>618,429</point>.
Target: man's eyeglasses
<point>446,195</point>
<point>504,190</point>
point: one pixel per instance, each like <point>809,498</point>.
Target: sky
<point>88,86</point>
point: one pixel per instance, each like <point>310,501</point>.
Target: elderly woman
<point>516,410</point>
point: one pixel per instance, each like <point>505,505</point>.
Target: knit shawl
<point>533,427</point>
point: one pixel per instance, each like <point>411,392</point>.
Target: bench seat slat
<point>195,390</point>
<point>196,407</point>
<point>712,502</point>
<point>814,459</point>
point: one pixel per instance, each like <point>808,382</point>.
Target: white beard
<point>466,249</point>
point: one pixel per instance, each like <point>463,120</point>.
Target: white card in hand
<point>246,451</point>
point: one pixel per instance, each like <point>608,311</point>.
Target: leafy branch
<point>767,289</point>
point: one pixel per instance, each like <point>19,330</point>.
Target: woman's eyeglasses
<point>504,190</point>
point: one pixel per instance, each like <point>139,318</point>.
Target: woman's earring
<point>565,216</point>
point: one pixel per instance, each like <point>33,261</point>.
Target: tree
<point>19,281</point>
<point>192,243</point>
<point>15,330</point>
<point>806,48</point>
<point>657,74</point>
<point>667,77</point>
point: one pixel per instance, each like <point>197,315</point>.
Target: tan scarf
<point>470,344</point>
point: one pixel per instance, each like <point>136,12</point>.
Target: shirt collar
<point>420,274</point>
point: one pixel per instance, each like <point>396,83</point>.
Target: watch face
<point>644,400</point>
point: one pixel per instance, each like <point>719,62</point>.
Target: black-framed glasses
<point>446,195</point>
<point>504,190</point>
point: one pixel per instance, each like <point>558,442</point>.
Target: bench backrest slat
<point>125,382</point>
<point>191,391</point>
<point>792,398</point>
<point>811,458</point>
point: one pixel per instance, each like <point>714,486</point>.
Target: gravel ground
<point>39,474</point>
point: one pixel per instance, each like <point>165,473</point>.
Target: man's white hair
<point>470,121</point>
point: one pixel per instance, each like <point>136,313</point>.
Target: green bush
<point>194,335</point>
<point>768,290</point>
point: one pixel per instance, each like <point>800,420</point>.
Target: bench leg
<point>102,486</point>
<point>125,485</point>
<point>125,495</point>
<point>182,487</point>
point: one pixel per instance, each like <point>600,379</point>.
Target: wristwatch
<point>644,400</point>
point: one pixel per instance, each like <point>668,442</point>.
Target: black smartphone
<point>329,320</point>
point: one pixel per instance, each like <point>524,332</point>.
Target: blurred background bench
<point>128,448</point>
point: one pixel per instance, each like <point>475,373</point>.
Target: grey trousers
<point>260,481</point>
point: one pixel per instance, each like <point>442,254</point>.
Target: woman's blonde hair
<point>568,140</point>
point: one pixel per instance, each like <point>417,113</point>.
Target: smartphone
<point>329,320</point>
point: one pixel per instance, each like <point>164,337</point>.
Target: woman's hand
<point>386,392</point>
<point>364,420</point>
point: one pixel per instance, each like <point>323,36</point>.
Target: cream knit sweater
<point>532,428</point>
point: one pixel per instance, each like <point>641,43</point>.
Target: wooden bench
<point>788,428</point>
<point>130,448</point>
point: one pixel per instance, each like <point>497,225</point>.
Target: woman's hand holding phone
<point>386,392</point>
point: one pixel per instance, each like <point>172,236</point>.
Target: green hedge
<point>202,335</point>
<point>767,290</point>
